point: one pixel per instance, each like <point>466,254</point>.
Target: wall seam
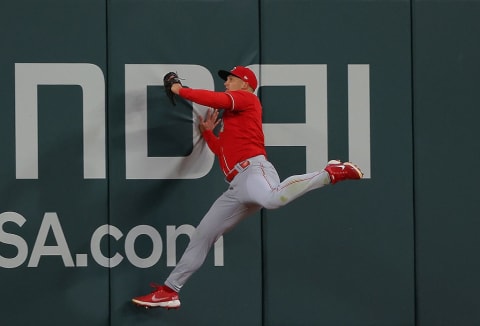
<point>412,73</point>
<point>262,211</point>
<point>107,74</point>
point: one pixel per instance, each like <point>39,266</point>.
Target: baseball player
<point>253,180</point>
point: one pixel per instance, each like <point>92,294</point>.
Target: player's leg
<point>264,188</point>
<point>294,187</point>
<point>224,214</point>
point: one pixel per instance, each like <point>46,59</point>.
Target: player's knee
<point>275,203</point>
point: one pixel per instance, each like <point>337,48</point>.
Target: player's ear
<point>248,87</point>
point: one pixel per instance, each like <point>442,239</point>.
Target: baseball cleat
<point>162,296</point>
<point>339,171</point>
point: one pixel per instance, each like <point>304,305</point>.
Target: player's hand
<point>172,85</point>
<point>210,122</point>
<point>176,88</point>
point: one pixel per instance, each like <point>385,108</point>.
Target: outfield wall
<point>102,180</point>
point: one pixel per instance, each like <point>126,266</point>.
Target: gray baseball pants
<point>256,186</point>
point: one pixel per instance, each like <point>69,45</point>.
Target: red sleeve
<point>217,100</point>
<point>212,141</point>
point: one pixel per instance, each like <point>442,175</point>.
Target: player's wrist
<point>176,88</point>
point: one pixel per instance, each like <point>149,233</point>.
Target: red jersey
<point>241,136</point>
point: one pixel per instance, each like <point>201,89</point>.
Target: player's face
<point>234,83</point>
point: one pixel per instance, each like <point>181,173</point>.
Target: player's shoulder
<point>241,92</point>
<point>244,95</point>
<point>244,100</point>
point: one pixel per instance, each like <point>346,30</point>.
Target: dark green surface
<point>447,77</point>
<point>399,248</point>
<point>66,31</point>
<point>214,295</point>
<point>331,256</point>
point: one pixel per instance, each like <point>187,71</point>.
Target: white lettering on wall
<point>313,134</point>
<point>138,164</point>
<point>359,116</point>
<point>90,78</point>
<point>51,225</point>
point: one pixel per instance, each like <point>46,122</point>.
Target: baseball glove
<point>168,80</point>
